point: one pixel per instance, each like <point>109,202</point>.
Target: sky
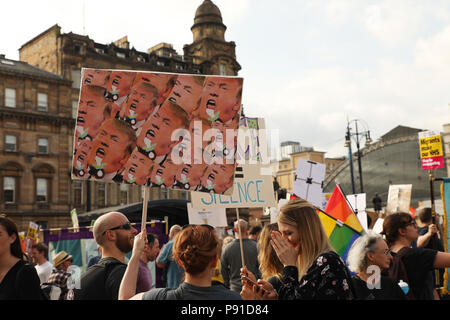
<point>309,66</point>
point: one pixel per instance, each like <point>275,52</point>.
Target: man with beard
<point>115,235</point>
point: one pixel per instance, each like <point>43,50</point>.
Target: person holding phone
<point>312,270</point>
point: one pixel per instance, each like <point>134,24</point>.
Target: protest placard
<point>251,189</point>
<point>431,151</point>
<point>309,177</point>
<point>161,129</point>
<point>399,198</point>
<point>215,217</point>
<point>358,204</point>
<point>74,217</point>
<point>252,146</point>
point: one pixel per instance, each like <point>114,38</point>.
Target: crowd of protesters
<point>292,259</point>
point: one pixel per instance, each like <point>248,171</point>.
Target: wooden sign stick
<point>240,237</point>
<point>144,208</point>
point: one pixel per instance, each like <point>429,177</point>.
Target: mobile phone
<point>249,280</point>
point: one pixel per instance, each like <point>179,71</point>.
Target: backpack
<point>96,276</point>
<point>397,270</point>
<point>50,291</point>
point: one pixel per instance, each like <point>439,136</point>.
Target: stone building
<point>64,54</point>
<point>35,137</point>
<point>393,159</point>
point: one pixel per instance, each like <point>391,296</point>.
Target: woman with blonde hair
<point>196,248</point>
<point>269,264</point>
<point>312,270</point>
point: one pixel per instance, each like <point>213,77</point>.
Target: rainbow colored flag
<point>340,222</point>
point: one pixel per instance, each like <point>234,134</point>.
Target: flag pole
<point>240,237</point>
<point>144,208</point>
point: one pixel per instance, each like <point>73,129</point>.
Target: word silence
<point>251,189</point>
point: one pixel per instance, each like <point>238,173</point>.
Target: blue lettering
<point>258,190</point>
<point>241,191</point>
<point>231,197</point>
<point>208,203</point>
<point>222,201</point>
<point>248,190</point>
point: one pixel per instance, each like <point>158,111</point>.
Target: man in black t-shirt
<point>115,235</point>
<point>430,238</point>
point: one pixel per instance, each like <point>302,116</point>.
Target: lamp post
<point>348,143</point>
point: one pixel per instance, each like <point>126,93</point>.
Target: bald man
<point>231,261</point>
<point>115,236</point>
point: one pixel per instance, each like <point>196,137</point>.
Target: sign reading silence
<point>251,189</point>
<point>431,153</point>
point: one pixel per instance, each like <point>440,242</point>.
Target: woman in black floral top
<point>306,253</point>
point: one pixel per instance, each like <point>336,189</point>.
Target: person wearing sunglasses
<point>368,256</point>
<point>115,235</point>
<point>196,248</point>
<point>401,231</point>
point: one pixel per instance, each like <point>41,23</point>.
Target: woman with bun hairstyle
<point>18,279</point>
<point>196,248</point>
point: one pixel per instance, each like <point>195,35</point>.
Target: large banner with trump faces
<point>158,129</point>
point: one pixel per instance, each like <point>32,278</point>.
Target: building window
<point>222,70</point>
<point>10,97</point>
<point>41,190</point>
<point>121,55</point>
<point>101,195</point>
<point>123,194</point>
<point>42,102</point>
<point>74,109</point>
<point>9,188</point>
<point>78,193</point>
<point>76,79</point>
<point>43,145</point>
<point>10,143</point>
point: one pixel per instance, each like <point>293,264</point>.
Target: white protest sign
<point>308,181</point>
<point>399,198</point>
<point>251,189</point>
<point>215,217</point>
<point>378,227</point>
<point>74,216</point>
<point>252,141</point>
<point>358,203</point>
<point>275,211</point>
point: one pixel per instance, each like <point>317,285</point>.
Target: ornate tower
<point>209,49</point>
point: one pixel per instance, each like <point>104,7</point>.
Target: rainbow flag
<point>340,222</point>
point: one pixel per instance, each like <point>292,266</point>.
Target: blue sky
<point>308,65</point>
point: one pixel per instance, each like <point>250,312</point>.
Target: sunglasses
<point>125,226</point>
<point>412,223</point>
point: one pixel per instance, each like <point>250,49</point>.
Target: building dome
<point>208,12</point>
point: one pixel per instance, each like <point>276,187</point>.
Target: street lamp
<point>348,144</point>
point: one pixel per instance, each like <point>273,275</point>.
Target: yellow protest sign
<point>431,152</point>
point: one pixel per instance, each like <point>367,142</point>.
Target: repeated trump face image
<point>132,126</point>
